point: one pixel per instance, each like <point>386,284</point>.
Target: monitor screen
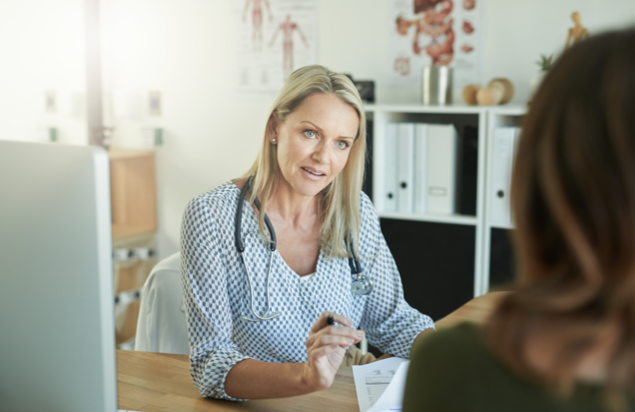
<point>57,339</point>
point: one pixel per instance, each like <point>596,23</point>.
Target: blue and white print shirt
<point>216,293</point>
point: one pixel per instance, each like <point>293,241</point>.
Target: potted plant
<point>545,62</point>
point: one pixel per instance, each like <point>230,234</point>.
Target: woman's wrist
<point>252,379</point>
<point>309,381</point>
<point>302,382</point>
<point>306,380</point>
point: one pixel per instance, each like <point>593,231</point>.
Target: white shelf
<point>419,108</point>
<point>505,109</point>
<point>497,117</point>
<point>383,113</point>
<point>508,110</point>
<point>486,118</point>
<point>452,219</point>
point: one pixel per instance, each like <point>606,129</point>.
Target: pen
<point>330,321</point>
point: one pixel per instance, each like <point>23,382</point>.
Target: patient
<point>564,339</point>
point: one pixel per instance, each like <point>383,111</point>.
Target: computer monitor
<point>57,343</point>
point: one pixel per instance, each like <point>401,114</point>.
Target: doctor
<point>269,257</point>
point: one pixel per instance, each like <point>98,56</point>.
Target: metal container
<point>437,85</point>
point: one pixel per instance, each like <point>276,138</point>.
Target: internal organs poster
<point>435,32</point>
<point>272,39</point>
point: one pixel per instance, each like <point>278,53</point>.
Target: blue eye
<point>342,144</point>
<point>310,134</point>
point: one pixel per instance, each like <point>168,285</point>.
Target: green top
<point>453,370</point>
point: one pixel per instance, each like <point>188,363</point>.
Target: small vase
<point>437,85</point>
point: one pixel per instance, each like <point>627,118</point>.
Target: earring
<point>273,140</point>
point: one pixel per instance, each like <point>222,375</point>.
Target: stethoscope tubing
<point>251,294</point>
<point>355,265</point>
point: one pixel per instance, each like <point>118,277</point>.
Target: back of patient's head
<point>573,201</point>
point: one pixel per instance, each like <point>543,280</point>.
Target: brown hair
<point>573,198</point>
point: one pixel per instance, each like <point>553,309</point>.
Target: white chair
<point>162,326</point>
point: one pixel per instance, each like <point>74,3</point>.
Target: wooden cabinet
<point>133,192</point>
<point>133,205</point>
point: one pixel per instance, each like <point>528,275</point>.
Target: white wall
<point>42,48</point>
<point>183,48</point>
<point>516,33</point>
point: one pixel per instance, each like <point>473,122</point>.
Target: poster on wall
<point>272,39</point>
<point>435,32</point>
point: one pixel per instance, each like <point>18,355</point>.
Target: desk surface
<point>153,382</point>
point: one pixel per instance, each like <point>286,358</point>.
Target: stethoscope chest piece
<point>361,286</point>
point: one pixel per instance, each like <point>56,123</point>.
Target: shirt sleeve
<point>390,323</point>
<point>208,313</point>
<point>438,379</point>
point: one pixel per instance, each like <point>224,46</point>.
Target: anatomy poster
<point>435,32</point>
<point>273,38</point>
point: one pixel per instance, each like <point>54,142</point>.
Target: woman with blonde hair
<point>564,338</point>
<point>271,261</point>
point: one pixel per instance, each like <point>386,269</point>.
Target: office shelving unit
<point>439,243</point>
<point>503,116</point>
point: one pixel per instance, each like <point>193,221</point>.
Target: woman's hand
<point>326,348</point>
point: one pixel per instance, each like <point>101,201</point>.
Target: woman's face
<point>314,142</point>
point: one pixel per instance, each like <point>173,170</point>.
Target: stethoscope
<point>361,285</point>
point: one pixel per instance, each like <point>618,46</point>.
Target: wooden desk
<point>153,382</point>
<point>476,310</point>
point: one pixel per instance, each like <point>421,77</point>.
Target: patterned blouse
<point>216,293</point>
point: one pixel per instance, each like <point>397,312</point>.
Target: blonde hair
<point>340,200</point>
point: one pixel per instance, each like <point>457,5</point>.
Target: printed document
<point>380,385</point>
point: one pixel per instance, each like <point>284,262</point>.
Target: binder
<point>390,172</point>
<point>420,180</point>
<point>367,186</point>
<point>441,169</point>
<point>405,168</point>
<point>502,163</point>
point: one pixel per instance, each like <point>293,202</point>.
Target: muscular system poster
<point>435,32</point>
<point>272,39</point>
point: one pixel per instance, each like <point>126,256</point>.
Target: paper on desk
<point>372,380</point>
<point>392,398</point>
